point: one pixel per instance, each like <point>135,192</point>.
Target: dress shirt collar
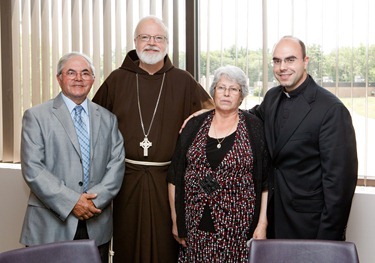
<point>71,105</point>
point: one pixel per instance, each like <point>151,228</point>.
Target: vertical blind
<point>338,35</point>
<point>36,33</point>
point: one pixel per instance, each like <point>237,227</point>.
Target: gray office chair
<point>80,251</point>
<point>302,251</point>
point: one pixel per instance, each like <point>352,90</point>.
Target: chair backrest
<point>306,251</point>
<point>82,251</point>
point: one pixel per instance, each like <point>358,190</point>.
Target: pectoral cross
<point>145,144</point>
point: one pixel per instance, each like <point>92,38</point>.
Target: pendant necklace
<point>219,142</point>
<point>145,144</point>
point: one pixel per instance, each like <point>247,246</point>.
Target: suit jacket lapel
<point>270,124</point>
<point>300,109</point>
<point>94,125</point>
<point>63,115</point>
<point>295,118</point>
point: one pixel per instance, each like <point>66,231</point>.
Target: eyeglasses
<point>288,61</point>
<point>231,90</point>
<point>85,75</point>
<point>157,38</point>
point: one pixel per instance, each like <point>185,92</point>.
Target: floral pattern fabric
<point>232,204</point>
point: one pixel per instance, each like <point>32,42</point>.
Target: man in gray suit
<point>63,205</point>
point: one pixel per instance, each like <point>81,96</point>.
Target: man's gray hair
<point>68,56</point>
<point>156,20</point>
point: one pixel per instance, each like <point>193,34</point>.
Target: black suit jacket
<point>315,160</point>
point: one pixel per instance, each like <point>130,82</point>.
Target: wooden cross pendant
<point>145,144</point>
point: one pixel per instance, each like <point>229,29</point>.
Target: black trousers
<point>82,234</point>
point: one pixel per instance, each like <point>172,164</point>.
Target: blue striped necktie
<point>84,143</point>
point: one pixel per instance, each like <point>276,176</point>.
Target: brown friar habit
<point>142,220</point>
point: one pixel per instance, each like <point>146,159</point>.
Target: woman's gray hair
<point>233,73</point>
<point>68,56</point>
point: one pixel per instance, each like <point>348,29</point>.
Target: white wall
<point>361,225</point>
<point>14,193</point>
<point>13,199</point>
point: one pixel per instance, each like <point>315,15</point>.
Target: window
<point>339,41</point>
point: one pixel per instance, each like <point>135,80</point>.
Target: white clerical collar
<point>287,94</point>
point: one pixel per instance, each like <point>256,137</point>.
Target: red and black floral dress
<point>219,197</point>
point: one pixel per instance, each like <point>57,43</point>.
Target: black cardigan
<point>262,164</point>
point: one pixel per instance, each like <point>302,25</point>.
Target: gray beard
<point>151,59</point>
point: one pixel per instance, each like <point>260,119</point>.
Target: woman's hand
<point>171,195</point>
<point>260,231</point>
<point>180,240</point>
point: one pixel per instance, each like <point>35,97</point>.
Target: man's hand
<point>85,208</point>
<point>195,114</point>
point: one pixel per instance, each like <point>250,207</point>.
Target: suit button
<point>80,183</point>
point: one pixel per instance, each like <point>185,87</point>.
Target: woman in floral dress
<point>218,177</point>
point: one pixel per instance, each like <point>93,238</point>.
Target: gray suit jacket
<point>50,161</point>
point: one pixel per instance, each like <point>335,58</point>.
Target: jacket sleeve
<point>49,189</point>
<point>175,163</point>
<point>176,171</point>
<point>114,169</point>
<point>339,171</point>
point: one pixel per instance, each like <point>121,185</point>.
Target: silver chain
<point>156,107</point>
